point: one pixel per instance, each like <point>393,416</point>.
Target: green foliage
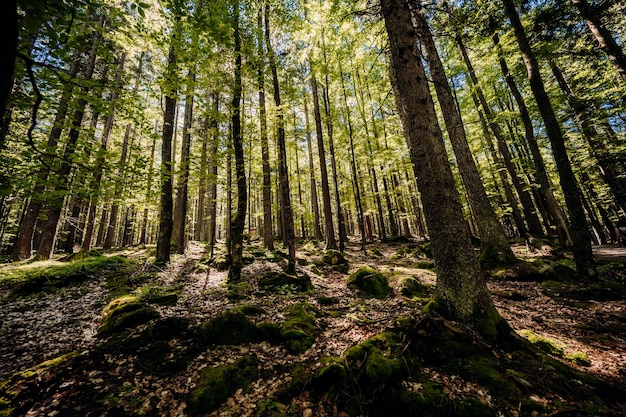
<point>298,331</point>
<point>369,281</point>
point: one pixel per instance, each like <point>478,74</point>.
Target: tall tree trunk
<point>541,175</point>
<point>289,237</point>
<point>329,228</point>
<point>55,203</point>
<point>534,225</point>
<point>144,226</point>
<point>238,222</point>
<point>268,234</point>
<point>199,227</point>
<point>492,238</point>
<point>331,151</point>
<point>100,156</point>
<point>164,237</point>
<point>316,209</point>
<point>581,236</point>
<point>355,176</point>
<point>602,35</point>
<point>461,290</point>
<point>24,243</point>
<point>212,204</point>
<point>182,188</point>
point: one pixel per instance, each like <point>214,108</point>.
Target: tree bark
<point>182,188</point>
<point>314,203</point>
<point>212,203</point>
<point>9,33</point>
<point>492,237</point>
<point>238,222</point>
<point>581,236</point>
<point>289,238</point>
<point>164,237</point>
<point>329,228</point>
<point>55,203</point>
<point>268,234</point>
<point>461,290</point>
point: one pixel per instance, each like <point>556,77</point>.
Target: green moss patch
<point>336,259</point>
<point>411,287</point>
<point>231,327</point>
<point>298,331</point>
<point>215,385</point>
<point>537,271</point>
<point>369,281</point>
<point>123,313</point>
<point>282,282</point>
<point>49,276</point>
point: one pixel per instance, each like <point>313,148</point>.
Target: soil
<point>95,381</point>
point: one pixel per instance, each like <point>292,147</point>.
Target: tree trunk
<point>100,156</point>
<point>212,204</point>
<point>268,233</point>
<point>316,209</point>
<point>492,237</point>
<point>238,222</point>
<point>55,203</point>
<point>602,35</point>
<point>534,225</point>
<point>581,236</point>
<point>182,188</point>
<point>329,228</point>
<point>461,290</point>
<point>289,237</point>
<point>164,237</point>
<point>144,225</point>
<point>541,175</point>
<point>22,249</point>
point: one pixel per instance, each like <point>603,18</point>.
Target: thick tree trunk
<point>461,290</point>
<point>182,188</point>
<point>329,228</point>
<point>289,237</point>
<point>315,205</point>
<point>55,203</point>
<point>164,237</point>
<point>238,222</point>
<point>492,237</point>
<point>581,236</point>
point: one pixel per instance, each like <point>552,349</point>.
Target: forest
<point>281,208</point>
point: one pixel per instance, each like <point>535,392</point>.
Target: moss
<point>376,252</point>
<point>268,331</point>
<point>298,331</point>
<point>378,357</point>
<point>489,323</point>
<point>215,385</point>
<point>411,287</point>
<point>231,327</point>
<point>239,291</point>
<point>333,372</point>
<point>492,257</point>
<point>35,277</point>
<point>369,281</point>
<point>336,259</point>
<point>277,281</point>
<point>578,358</point>
<point>542,343</point>
<point>123,313</point>
<point>327,301</point>
<point>221,262</point>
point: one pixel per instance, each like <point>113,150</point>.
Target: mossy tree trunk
<point>461,290</point>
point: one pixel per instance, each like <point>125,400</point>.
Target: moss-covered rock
<point>123,313</point>
<point>336,259</point>
<point>298,331</point>
<point>411,287</point>
<point>221,262</point>
<point>542,343</point>
<point>281,281</point>
<point>215,385</point>
<point>378,357</point>
<point>269,331</point>
<point>231,327</point>
<point>369,281</point>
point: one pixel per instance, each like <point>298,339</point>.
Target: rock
<point>370,281</point>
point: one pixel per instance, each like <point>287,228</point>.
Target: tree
<point>581,236</point>
<point>461,291</point>
<point>10,35</point>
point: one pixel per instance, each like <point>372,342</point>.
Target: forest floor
<point>57,358</point>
